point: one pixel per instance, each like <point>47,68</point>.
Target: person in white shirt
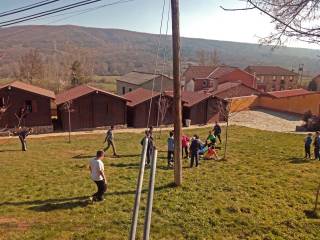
<point>97,175</point>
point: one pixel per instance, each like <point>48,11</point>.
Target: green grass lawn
<point>261,192</point>
<point>107,83</point>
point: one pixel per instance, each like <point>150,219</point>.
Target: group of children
<point>316,143</point>
<point>194,148</point>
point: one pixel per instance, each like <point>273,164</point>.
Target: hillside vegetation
<point>263,191</point>
<point>114,51</point>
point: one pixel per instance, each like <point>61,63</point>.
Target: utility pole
<point>176,93</point>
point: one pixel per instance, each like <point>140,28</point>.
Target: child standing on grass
<point>150,146</point>
<point>170,155</point>
<point>316,144</point>
<point>307,145</point>
<point>194,149</point>
<point>217,131</point>
<point>185,145</point>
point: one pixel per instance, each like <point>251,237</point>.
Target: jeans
<point>218,135</point>
<point>186,151</point>
<point>307,151</point>
<point>316,153</point>
<point>23,143</point>
<point>110,143</point>
<point>102,188</point>
<point>194,158</point>
<point>170,157</point>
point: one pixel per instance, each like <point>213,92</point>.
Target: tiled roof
<point>198,72</point>
<point>226,86</point>
<point>191,98</point>
<point>139,78</point>
<point>221,71</point>
<point>80,91</point>
<point>269,70</point>
<point>30,88</point>
<point>290,93</point>
<point>139,95</point>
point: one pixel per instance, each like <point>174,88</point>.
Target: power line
<point>27,7</point>
<point>75,13</point>
<point>48,12</point>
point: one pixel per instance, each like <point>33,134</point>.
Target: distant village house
<point>134,80</point>
<point>274,78</point>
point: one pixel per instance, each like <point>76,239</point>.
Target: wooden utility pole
<point>176,93</point>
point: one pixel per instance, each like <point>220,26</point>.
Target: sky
<point>198,18</point>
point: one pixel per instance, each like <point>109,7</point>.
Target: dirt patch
<point>10,223</point>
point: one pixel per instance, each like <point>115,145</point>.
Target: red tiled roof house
<point>36,102</point>
<point>198,78</point>
<point>90,108</point>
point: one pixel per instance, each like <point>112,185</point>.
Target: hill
<point>114,51</point>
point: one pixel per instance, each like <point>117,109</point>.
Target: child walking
<point>170,155</point>
<point>307,145</point>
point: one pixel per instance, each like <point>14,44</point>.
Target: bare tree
<point>67,106</point>
<point>5,105</point>
<point>208,58</point>
<point>31,66</point>
<point>293,19</point>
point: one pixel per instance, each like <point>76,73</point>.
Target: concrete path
<point>267,120</point>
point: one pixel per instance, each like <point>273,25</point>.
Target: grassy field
<point>262,191</point>
<point>107,83</point>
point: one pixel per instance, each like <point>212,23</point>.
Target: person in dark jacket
<point>150,147</point>
<point>217,131</point>
<point>316,144</point>
<point>23,134</point>
<point>194,150</point>
<point>307,145</point>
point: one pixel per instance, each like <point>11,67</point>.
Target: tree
<point>208,58</point>
<point>76,75</point>
<point>5,104</point>
<point>31,66</point>
<point>293,19</point>
<point>67,106</point>
<point>312,86</point>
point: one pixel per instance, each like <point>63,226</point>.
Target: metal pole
<point>69,110</point>
<point>147,220</point>
<point>176,92</point>
<point>135,214</point>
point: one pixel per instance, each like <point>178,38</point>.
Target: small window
<point>282,77</point>
<point>28,106</point>
<point>204,83</point>
<point>34,106</point>
<point>2,102</point>
<point>282,82</point>
<point>130,89</point>
<point>123,90</point>
<point>291,78</point>
<point>274,77</point>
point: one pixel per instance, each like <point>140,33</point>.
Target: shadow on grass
<point>125,165</point>
<point>10,150</point>
<point>296,160</point>
<point>311,214</point>
<point>41,202</point>
<point>59,206</point>
<point>81,156</point>
<point>129,155</point>
<point>166,186</point>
